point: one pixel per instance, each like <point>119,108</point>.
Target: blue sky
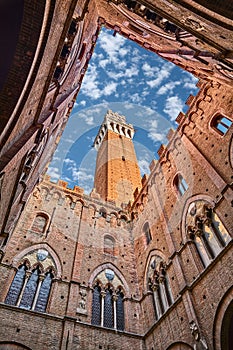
<point>127,79</point>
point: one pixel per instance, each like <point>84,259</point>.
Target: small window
<point>147,233</point>
<point>40,223</point>
<point>103,213</point>
<point>221,124</point>
<point>180,184</point>
<point>109,244</point>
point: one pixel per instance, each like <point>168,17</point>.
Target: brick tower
<point>117,173</point>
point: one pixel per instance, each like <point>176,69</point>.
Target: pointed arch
<point>35,247</point>
<point>203,197</point>
<point>118,273</point>
<point>12,346</point>
<point>223,321</point>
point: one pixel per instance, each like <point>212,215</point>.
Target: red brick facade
<point>170,252</point>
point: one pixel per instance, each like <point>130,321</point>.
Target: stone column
<point>163,293</point>
<point>28,274</point>
<point>114,298</point>
<point>154,288</point>
<point>103,294</point>
<point>41,278</point>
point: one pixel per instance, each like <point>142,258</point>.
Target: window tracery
<point>159,284</point>
<point>207,231</point>
<point>108,302</point>
<point>30,288</point>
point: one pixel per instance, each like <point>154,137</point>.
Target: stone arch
<point>103,212</point>
<point>68,200</point>
<point>40,222</point>
<point>150,255</point>
<point>223,322</point>
<point>110,266</point>
<point>92,208</point>
<point>231,151</point>
<point>13,346</point>
<point>44,191</point>
<point>180,346</point>
<point>190,200</point>
<point>45,246</point>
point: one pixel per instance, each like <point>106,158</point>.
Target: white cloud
<point>155,132</point>
<point>136,98</point>
<point>109,89</point>
<point>113,47</point>
<point>149,70</point>
<point>189,82</point>
<point>144,166</point>
<point>173,106</point>
<point>82,175</point>
<point>88,119</point>
<point>54,173</point>
<point>159,74</point>
<point>90,85</point>
<point>83,103</point>
<point>168,87</point>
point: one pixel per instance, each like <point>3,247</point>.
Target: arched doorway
<point>13,346</point>
<point>223,323</point>
<point>180,346</point>
<point>227,329</point>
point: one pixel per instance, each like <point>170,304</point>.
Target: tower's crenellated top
<point>116,123</point>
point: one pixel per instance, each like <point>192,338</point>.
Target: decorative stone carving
<point>200,342</point>
<point>42,254</point>
<point>82,302</point>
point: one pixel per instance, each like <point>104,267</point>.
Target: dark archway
<point>180,346</point>
<point>13,346</point>
<point>227,329</point>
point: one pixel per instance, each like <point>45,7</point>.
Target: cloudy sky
<point>129,80</point>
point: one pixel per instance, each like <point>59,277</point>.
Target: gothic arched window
<point>206,230</point>
<point>147,233</point>
<point>180,184</point>
<point>30,289</point>
<point>159,285</point>
<point>108,304</point>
